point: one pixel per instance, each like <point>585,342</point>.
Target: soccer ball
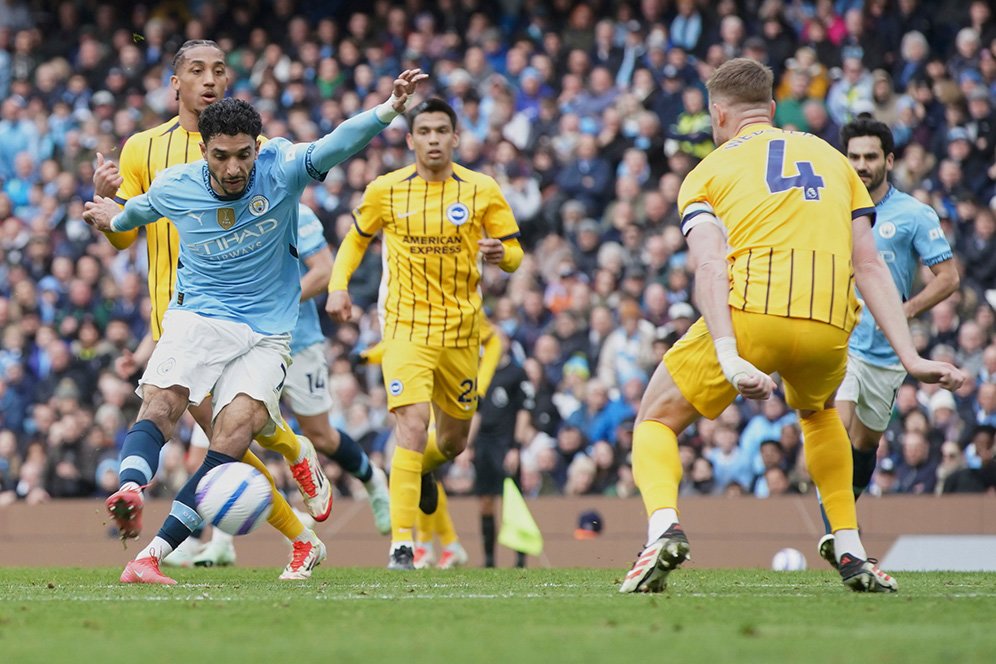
<point>234,497</point>
<point>788,560</point>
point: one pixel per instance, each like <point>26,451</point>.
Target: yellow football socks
<point>433,457</point>
<point>374,354</point>
<point>656,465</point>
<point>829,461</point>
<point>444,523</point>
<point>282,517</point>
<point>425,526</point>
<point>405,487</point>
<point>283,441</point>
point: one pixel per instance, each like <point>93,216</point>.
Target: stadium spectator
<point>916,473</point>
<point>580,75</point>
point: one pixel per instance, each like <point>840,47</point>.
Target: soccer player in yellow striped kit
<point>439,219</point>
<point>200,78</point>
<point>439,523</point>
<point>779,233</point>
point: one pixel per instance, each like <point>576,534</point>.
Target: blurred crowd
<point>588,114</point>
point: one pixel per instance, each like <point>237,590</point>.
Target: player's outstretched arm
<point>707,253</point>
<point>105,215</point>
<point>879,292</point>
<point>353,134</point>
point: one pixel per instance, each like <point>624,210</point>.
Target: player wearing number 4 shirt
<point>779,231</point>
<point>439,219</point>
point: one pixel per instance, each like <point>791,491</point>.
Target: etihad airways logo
<point>238,242</point>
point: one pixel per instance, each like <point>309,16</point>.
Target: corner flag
<point>519,531</point>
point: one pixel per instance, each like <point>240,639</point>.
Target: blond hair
<point>741,81</point>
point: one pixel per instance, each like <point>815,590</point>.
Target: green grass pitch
<point>471,615</point>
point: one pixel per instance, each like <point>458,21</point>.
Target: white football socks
<point>848,541</point>
<point>158,548</point>
<point>659,522</point>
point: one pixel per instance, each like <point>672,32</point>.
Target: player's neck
<point>880,191</point>
<point>752,117</point>
<point>188,119</point>
<point>430,175</point>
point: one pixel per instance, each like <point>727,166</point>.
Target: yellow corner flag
<point>519,531</point>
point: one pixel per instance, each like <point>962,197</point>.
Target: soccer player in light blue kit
<point>907,233</point>
<point>306,391</point>
<point>306,394</point>
<point>227,329</point>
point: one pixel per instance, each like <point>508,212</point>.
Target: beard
<point>876,179</point>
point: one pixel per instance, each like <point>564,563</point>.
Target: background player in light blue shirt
<point>907,233</point>
<point>227,329</point>
<point>306,390</point>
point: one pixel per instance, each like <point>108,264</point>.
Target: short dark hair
<point>433,105</point>
<point>181,53</point>
<point>230,117</point>
<point>865,126</point>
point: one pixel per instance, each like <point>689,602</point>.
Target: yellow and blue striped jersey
<point>430,288</point>
<point>142,157</point>
<point>786,200</point>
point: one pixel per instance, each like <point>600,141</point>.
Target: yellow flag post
<point>519,531</point>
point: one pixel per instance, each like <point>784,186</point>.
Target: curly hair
<point>230,117</point>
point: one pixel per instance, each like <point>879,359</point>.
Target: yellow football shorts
<point>810,356</point>
<point>415,373</point>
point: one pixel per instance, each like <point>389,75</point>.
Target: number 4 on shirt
<point>806,179</point>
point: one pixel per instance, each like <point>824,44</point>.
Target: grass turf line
<point>573,615</point>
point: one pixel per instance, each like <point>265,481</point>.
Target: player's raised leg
<point>161,409</point>
<point>305,467</point>
<point>341,448</point>
<point>233,432</point>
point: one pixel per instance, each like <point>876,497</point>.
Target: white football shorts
<point>872,389</point>
<point>221,358</point>
<point>306,391</point>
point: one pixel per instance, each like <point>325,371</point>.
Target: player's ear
<point>456,139</point>
<point>889,160</point>
<point>259,144</point>
<point>204,149</point>
<point>409,141</point>
<point>772,108</point>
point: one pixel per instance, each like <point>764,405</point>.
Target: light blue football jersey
<point>907,232</point>
<point>239,257</point>
<point>311,240</point>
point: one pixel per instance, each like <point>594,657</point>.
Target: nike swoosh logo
<point>140,575</point>
<point>407,214</point>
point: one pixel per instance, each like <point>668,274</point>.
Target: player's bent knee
<point>163,407</point>
<point>669,407</point>
<point>237,424</point>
